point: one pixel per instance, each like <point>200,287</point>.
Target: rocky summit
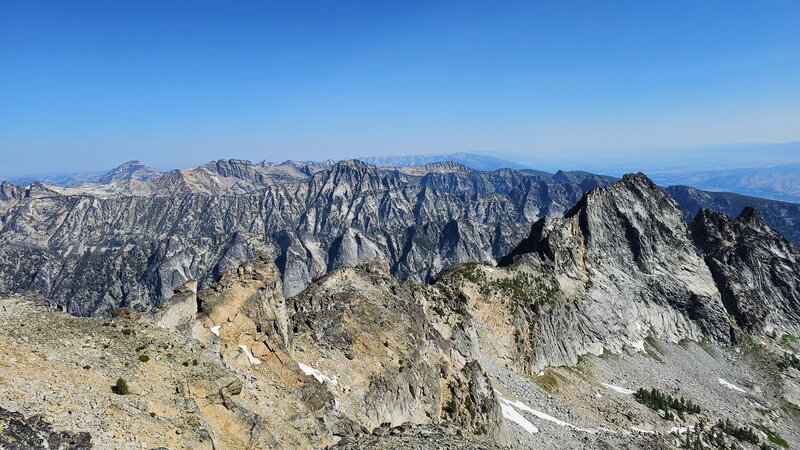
<point>350,307</point>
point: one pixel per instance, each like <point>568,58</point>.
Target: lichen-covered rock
<point>33,433</point>
<point>419,437</point>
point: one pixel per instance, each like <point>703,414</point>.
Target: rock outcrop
<point>369,338</point>
<point>179,312</point>
<point>756,269</point>
<point>625,268</point>
<point>782,216</point>
<point>20,433</point>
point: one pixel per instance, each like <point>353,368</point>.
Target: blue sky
<point>85,85</point>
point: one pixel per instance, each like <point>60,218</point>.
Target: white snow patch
<point>680,431</point>
<point>639,430</point>
<point>321,377</point>
<point>523,407</point>
<point>511,414</point>
<point>618,389</point>
<point>254,361</point>
<point>550,418</point>
<point>638,345</point>
<point>730,385</point>
<point>215,330</point>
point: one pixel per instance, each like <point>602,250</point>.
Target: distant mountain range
<point>473,160</point>
<point>762,170</point>
<point>769,171</point>
<point>777,183</point>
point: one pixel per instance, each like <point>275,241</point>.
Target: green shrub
<point>121,387</point>
<point>789,360</point>
<point>773,436</point>
<point>451,407</point>
<point>144,358</point>
<point>741,434</point>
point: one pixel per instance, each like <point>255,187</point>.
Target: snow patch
<point>730,385</point>
<point>638,345</point>
<point>618,389</point>
<point>550,418</point>
<point>215,330</point>
<point>639,430</point>
<point>511,414</point>
<point>321,377</point>
<point>254,361</point>
<point>680,431</point>
<point>544,416</point>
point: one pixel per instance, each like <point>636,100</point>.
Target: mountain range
<point>135,234</point>
<point>451,308</point>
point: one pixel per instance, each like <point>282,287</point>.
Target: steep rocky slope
<point>625,268</point>
<point>756,269</point>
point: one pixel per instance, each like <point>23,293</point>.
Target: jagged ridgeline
<point>134,235</point>
<point>620,289</point>
<point>133,240</point>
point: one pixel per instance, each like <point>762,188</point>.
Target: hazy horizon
<point>87,86</point>
<point>606,162</point>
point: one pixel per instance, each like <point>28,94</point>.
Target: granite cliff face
<point>625,268</point>
<point>756,269</point>
<point>132,246</point>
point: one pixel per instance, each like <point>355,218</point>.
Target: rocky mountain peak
<point>752,217</point>
<point>8,190</point>
<point>447,166</point>
<point>624,251</point>
<point>239,168</point>
<point>756,269</point>
<point>131,170</point>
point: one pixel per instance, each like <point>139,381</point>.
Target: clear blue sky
<point>85,85</point>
